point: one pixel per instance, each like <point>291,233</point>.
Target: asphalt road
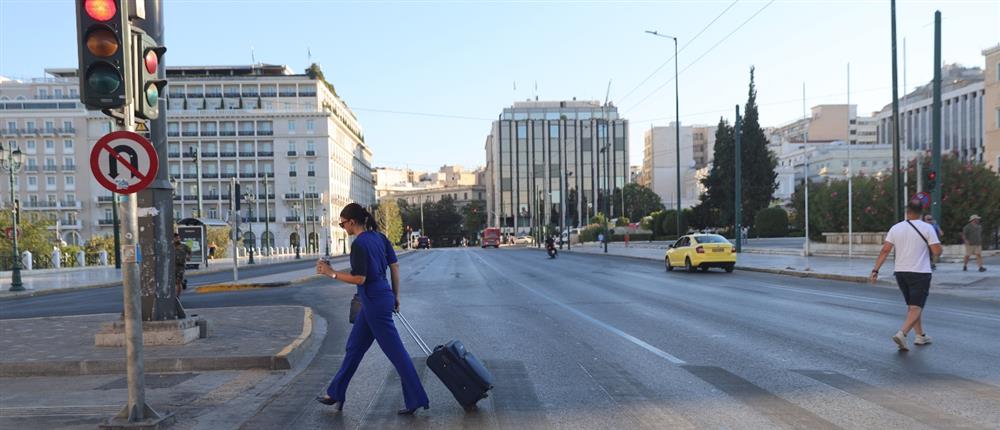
<point>599,342</point>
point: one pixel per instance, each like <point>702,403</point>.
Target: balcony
<point>248,175</point>
<point>263,196</point>
<point>173,133</point>
<point>210,175</point>
<point>66,224</point>
<point>40,205</point>
<point>312,218</point>
<point>269,94</point>
<point>105,199</point>
<point>311,173</point>
<point>51,168</point>
<point>190,175</point>
<point>265,174</point>
<point>250,93</point>
<point>227,154</point>
<point>31,168</point>
<point>213,95</point>
<point>9,132</point>
<point>188,133</point>
<point>293,174</point>
<point>287,93</point>
<point>209,154</point>
<point>232,95</point>
<point>248,154</point>
<point>67,131</point>
<point>190,198</point>
<point>310,153</point>
<point>105,222</point>
<point>48,132</point>
<point>31,130</point>
<point>312,195</point>
<point>292,196</point>
<point>68,167</point>
<point>227,133</point>
<point>265,132</point>
<point>246,132</point>
<point>173,155</point>
<point>293,219</point>
<point>265,153</point>
<point>209,132</point>
<point>228,175</point>
<point>307,93</point>
<point>291,153</point>
<point>211,197</point>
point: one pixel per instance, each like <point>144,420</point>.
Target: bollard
<point>103,257</point>
<point>26,260</point>
<point>81,258</point>
<point>56,258</point>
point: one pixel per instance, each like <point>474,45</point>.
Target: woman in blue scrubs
<point>371,253</point>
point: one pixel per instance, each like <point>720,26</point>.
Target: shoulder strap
<point>919,233</point>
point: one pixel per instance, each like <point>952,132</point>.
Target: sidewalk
<point>948,278</point>
<point>77,278</point>
<point>262,337</point>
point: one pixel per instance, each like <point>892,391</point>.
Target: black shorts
<point>915,287</point>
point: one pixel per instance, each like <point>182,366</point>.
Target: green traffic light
<point>103,79</point>
<point>152,95</point>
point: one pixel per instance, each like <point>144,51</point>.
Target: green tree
<point>96,244</point>
<point>759,178</point>
<point>640,201</point>
<point>443,222</point>
<point>220,237</point>
<point>719,194</point>
<point>771,222</point>
<point>389,221</point>
<point>34,236</point>
<point>314,72</point>
<point>474,218</point>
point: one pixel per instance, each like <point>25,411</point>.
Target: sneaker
<point>922,339</point>
<point>900,340</point>
<point>965,268</point>
<point>982,269</point>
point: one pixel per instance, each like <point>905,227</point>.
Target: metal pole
<point>116,227</point>
<point>897,188</point>
<point>805,155</point>
<point>305,222</point>
<point>737,133</point>
<point>15,276</point>
<point>234,216</point>
<point>850,173</point>
<point>250,202</point>
<point>133,312</point>
<point>677,125</point>
<point>197,170</point>
<point>936,124</point>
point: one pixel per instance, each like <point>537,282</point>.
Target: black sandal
<point>330,402</point>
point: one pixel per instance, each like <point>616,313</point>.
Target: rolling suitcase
<point>458,369</point>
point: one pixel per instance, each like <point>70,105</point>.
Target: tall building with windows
<point>962,97</point>
<point>263,126</point>
<point>991,108</point>
<point>539,153</point>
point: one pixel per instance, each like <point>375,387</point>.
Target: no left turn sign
<point>123,162</point>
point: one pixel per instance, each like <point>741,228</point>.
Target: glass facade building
<point>555,163</point>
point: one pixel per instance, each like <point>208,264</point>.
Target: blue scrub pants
<point>374,323</point>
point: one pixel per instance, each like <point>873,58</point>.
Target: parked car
<point>524,240</point>
<point>424,242</point>
<point>703,251</point>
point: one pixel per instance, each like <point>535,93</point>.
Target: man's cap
<point>974,217</point>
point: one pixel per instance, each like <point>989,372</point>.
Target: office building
<point>544,155</point>
<point>659,162</point>
<point>991,109</point>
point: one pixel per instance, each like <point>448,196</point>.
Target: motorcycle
<point>551,249</point>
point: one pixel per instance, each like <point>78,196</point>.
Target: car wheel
<point>667,262</point>
<point>688,266</point>
<point>729,269</point>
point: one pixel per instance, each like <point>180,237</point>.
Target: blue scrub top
<point>371,255</point>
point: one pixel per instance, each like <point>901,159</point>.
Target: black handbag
<point>355,308</point>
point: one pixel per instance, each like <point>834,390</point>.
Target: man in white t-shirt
<point>915,242</point>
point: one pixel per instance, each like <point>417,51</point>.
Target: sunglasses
<point>341,224</point>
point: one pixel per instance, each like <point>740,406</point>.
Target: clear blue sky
<point>462,58</point>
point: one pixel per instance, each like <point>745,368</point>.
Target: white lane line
<point>639,342</point>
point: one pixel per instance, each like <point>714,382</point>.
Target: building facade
<point>828,123</point>
<point>963,92</point>
<point>544,155</point>
<point>991,110</point>
<point>263,126</point>
<point>659,162</point>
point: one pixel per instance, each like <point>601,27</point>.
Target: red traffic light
<point>151,60</point>
<point>100,10</point>
<point>932,175</point>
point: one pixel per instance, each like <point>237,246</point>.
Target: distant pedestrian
<point>916,243</point>
<point>600,237</point>
<point>929,219</point>
<point>972,237</point>
<point>211,250</point>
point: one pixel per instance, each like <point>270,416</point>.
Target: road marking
<point>642,344</point>
<point>890,400</point>
<point>640,403</point>
<point>777,409</point>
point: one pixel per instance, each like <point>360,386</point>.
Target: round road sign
<point>123,162</point>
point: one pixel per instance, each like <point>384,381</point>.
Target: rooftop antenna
<point>253,59</point>
<point>607,94</point>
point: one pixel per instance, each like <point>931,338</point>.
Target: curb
<point>283,360</point>
<point>221,288</point>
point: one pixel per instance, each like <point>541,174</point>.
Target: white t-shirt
<point>912,254</point>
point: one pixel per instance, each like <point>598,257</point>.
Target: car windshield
<point>713,238</point>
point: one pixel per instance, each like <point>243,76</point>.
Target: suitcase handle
<point>416,337</point>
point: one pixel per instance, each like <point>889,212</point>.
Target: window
<point>73,93</point>
<point>11,125</point>
<point>310,125</point>
<point>310,146</point>
<point>50,146</point>
<point>32,182</point>
<point>30,125</point>
<point>107,214</point>
<point>67,125</point>
<point>291,146</point>
<point>50,126</point>
<point>50,182</point>
<point>70,181</point>
<point>312,168</point>
<point>291,126</point>
<point>43,93</point>
<point>68,146</point>
<point>291,168</point>
<point>30,147</point>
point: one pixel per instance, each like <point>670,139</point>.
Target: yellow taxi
<point>703,251</point>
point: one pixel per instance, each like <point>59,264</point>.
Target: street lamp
<point>326,231</point>
<point>196,154</point>
<point>677,126</point>
<point>250,198</point>
<point>298,238</point>
<point>11,159</point>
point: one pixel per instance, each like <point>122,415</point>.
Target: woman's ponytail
<point>370,223</point>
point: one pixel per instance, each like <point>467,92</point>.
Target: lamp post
<point>562,211</point>
<point>326,232</point>
<point>11,159</point>
<point>251,199</point>
<point>196,153</point>
<point>677,127</point>
<point>298,237</point>
<point>267,218</point>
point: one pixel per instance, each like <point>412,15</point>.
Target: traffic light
<point>148,85</point>
<point>103,35</point>
<point>931,179</point>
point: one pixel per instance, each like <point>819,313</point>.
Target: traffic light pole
<point>737,132</point>
<point>936,123</point>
